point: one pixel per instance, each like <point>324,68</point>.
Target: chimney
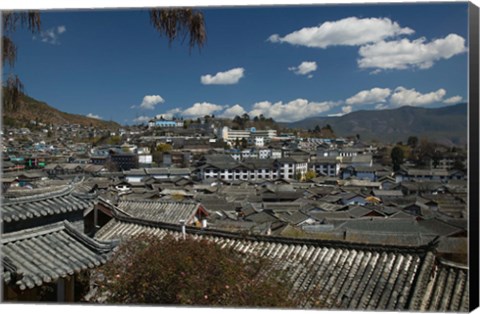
<point>184,231</point>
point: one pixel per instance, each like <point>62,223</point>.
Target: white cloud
<point>50,36</point>
<point>142,119</point>
<point>169,114</point>
<point>349,31</point>
<point>61,29</point>
<point>304,68</point>
<point>94,116</point>
<point>233,111</point>
<point>410,97</point>
<point>453,100</point>
<point>346,109</point>
<point>381,106</point>
<point>149,102</point>
<point>369,96</point>
<point>223,78</point>
<point>404,54</point>
<point>202,109</point>
<point>294,110</point>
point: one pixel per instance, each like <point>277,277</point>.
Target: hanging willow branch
<point>13,87</point>
<point>173,23</point>
<point>29,19</point>
<point>9,51</point>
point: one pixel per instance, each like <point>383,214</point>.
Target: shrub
<point>149,270</point>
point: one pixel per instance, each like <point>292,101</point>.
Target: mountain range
<point>446,125</point>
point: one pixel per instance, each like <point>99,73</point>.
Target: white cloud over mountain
<point>410,97</point>
<point>300,108</point>
<point>294,110</point>
<point>369,96</point>
<point>453,100</point>
<point>94,116</point>
<point>142,119</point>
<point>346,109</point>
<point>223,78</point>
<point>350,31</point>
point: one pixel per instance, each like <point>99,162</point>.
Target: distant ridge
<point>30,109</point>
<point>446,125</point>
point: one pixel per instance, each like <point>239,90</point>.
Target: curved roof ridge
<point>421,249</point>
<point>64,190</point>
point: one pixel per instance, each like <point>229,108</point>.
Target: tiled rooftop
<point>337,275</point>
<point>41,255</point>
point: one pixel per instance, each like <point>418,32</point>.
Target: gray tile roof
<point>160,211</point>
<point>441,287</point>
<point>45,254</point>
<point>333,274</point>
<point>55,201</point>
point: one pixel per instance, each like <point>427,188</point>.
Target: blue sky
<point>286,62</point>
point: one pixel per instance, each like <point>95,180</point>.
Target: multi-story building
<point>263,153</point>
<point>326,166</point>
<point>163,123</point>
<point>226,168</point>
<point>252,134</point>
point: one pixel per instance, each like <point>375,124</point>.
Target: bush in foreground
<point>149,270</point>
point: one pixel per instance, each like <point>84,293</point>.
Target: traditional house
<point>44,247</point>
<point>326,166</point>
<point>170,212</point>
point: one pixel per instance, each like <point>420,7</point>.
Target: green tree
<point>149,270</point>
<point>298,176</point>
<point>163,147</point>
<point>397,157</point>
<point>114,140</point>
<point>458,165</point>
<point>310,174</point>
<point>412,141</point>
<point>244,143</point>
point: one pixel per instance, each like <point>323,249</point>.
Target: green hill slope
<point>30,109</point>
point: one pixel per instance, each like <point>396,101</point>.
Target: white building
<point>226,168</point>
<point>228,134</point>
<point>259,141</point>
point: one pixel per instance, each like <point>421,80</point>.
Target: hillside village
<point>80,189</point>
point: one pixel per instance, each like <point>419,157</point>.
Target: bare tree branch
<point>9,51</point>
<point>180,22</point>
